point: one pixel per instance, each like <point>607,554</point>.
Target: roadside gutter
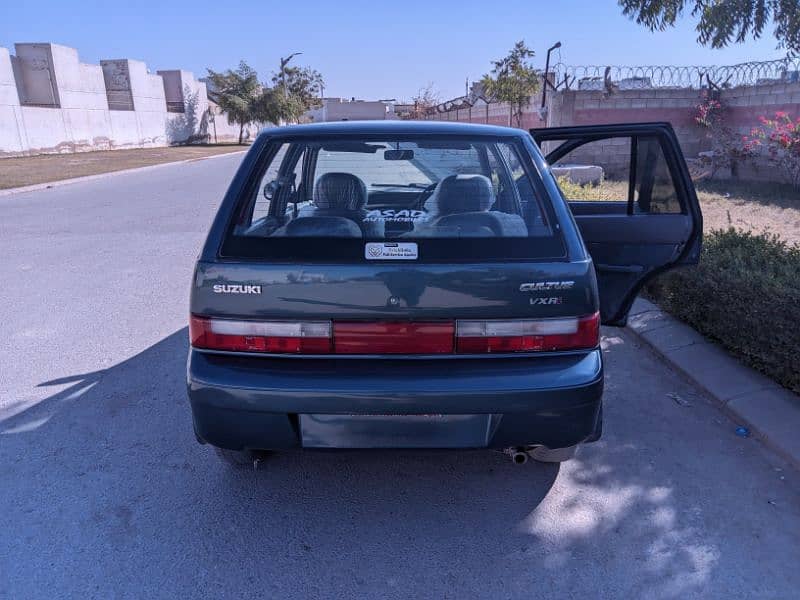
<point>769,411</point>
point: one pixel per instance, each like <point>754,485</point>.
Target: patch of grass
<point>606,189</point>
<point>44,168</point>
<point>743,294</point>
<point>765,207</point>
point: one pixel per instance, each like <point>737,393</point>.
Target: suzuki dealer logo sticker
<point>391,251</point>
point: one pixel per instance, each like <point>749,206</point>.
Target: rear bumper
<point>261,403</point>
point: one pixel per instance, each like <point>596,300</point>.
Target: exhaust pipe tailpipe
<point>517,455</point>
<point>519,458</point>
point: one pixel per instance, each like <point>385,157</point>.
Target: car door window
<point>281,187</point>
<point>655,188</point>
<point>266,189</point>
<point>630,170</point>
<point>597,171</point>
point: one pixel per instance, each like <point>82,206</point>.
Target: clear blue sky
<point>378,49</point>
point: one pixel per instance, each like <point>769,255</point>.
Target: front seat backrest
<point>321,227</point>
<point>464,201</point>
<point>340,191</point>
<point>460,206</point>
<point>464,194</point>
<point>345,195</point>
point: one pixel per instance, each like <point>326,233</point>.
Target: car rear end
<point>401,313</point>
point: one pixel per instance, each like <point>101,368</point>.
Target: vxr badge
<point>546,301</point>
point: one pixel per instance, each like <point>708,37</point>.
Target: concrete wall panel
<point>51,102</point>
<point>12,132</point>
<point>89,129</point>
<point>8,85</point>
<point>12,140</point>
<point>46,130</point>
<point>125,129</point>
<point>152,127</point>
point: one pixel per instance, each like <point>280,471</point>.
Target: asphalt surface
<point>104,492</point>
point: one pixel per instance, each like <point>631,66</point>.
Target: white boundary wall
<point>50,102</point>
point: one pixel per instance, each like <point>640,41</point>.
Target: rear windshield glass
<point>448,197</point>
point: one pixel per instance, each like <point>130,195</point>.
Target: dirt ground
<point>30,170</point>
<point>756,207</point>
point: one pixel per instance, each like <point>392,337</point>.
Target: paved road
<point>104,492</point>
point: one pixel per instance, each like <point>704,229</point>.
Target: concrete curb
<point>62,182</point>
<point>770,411</point>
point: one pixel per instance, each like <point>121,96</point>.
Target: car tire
<point>552,455</point>
<point>239,459</point>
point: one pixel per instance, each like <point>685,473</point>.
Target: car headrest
<point>475,224</point>
<point>464,193</point>
<point>322,227</point>
<point>340,191</point>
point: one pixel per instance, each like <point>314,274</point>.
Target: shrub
<point>726,145</point>
<point>575,191</point>
<point>743,294</point>
<point>780,138</point>
<point>710,112</point>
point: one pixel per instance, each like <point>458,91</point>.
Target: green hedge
<point>745,294</point>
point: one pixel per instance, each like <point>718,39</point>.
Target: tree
<point>301,88</point>
<point>513,79</point>
<point>239,94</point>
<point>723,21</point>
<point>427,97</point>
<point>272,106</point>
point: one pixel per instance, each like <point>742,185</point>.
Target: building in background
<point>342,109</point>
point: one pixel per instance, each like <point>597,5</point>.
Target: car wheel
<point>239,458</point>
<point>552,455</point>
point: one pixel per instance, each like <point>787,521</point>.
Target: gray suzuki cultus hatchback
<point>428,285</point>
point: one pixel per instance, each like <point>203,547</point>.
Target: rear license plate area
<point>394,431</point>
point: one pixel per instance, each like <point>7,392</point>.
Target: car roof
<point>391,128</point>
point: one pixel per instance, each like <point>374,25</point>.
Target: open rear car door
<point>634,202</point>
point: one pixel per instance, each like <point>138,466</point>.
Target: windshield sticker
<point>391,251</point>
<point>390,214</point>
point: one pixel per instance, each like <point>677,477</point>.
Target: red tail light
<point>278,337</point>
<point>396,337</point>
<point>519,335</point>
<point>402,337</point>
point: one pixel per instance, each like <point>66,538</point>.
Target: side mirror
<point>271,188</point>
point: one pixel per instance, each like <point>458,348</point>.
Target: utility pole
<point>322,99</point>
<point>545,79</point>
<point>284,62</point>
